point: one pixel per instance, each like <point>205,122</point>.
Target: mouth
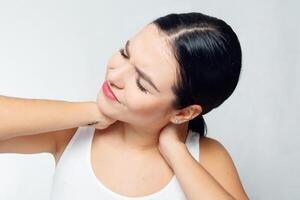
<point>108,91</point>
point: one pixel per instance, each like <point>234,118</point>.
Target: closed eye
<point>123,54</point>
<point>138,79</point>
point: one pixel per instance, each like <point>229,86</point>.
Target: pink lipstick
<point>108,92</point>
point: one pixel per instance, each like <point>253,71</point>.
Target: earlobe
<point>177,121</point>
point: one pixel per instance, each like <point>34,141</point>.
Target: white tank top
<point>74,178</point>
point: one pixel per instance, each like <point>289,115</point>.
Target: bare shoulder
<point>210,146</point>
<point>215,158</point>
<point>61,140</point>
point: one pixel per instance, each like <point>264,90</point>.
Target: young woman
<point>153,144</point>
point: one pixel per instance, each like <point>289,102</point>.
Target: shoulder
<point>213,155</point>
<point>215,158</point>
<point>62,138</point>
<point>210,146</point>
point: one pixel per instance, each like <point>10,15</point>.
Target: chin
<point>103,106</point>
<point>109,110</point>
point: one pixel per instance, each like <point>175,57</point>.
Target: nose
<point>118,76</point>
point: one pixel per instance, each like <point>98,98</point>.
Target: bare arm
<point>20,116</point>
<point>215,178</point>
<point>53,142</point>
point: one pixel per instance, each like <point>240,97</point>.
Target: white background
<point>59,49</point>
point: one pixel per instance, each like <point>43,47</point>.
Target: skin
<point>144,145</point>
<point>141,149</point>
<point>143,114</point>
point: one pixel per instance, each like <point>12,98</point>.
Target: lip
<point>108,91</point>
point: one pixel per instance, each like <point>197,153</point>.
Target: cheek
<point>147,108</point>
<point>138,102</point>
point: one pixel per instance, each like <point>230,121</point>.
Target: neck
<point>140,138</point>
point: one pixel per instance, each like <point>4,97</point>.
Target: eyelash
<point>137,80</point>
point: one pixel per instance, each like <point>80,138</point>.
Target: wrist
<point>174,153</point>
<point>90,113</point>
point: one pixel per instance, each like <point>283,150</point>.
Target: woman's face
<point>141,102</point>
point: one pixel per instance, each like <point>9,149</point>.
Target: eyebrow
<point>142,74</point>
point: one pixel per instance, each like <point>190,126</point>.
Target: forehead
<point>150,52</point>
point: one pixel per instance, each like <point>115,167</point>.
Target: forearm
<point>20,116</point>
<point>195,181</point>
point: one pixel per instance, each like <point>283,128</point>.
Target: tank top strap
<point>192,143</point>
<point>76,153</point>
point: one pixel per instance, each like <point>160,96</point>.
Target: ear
<point>186,114</point>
